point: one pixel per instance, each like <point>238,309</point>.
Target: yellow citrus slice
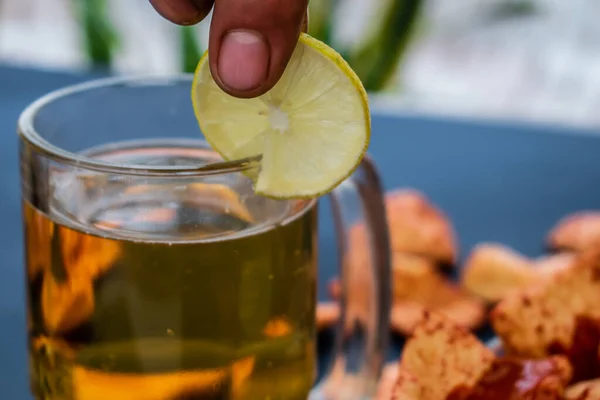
<point>311,130</point>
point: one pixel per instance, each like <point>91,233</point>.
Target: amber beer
<point>155,272</point>
<point>171,291</point>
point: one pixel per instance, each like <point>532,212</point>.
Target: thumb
<point>251,42</point>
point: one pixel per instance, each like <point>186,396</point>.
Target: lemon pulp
<point>311,129</point>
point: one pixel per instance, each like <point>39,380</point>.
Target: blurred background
<point>522,60</point>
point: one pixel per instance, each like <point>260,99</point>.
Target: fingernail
<point>243,60</point>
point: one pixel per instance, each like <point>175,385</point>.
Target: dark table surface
<point>498,182</point>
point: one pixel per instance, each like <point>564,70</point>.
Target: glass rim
<point>28,132</point>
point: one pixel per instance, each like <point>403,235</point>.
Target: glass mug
<point>155,272</point>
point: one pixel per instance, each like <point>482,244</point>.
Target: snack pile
<point>545,311</point>
<point>443,361</point>
<point>424,247</point>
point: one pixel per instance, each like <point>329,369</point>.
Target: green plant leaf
<point>511,9</point>
<point>320,21</point>
<point>376,60</point>
<point>100,37</point>
<point>190,49</point>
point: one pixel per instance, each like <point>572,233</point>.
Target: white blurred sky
<point>545,67</point>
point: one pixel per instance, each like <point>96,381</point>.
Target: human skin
<point>250,41</point>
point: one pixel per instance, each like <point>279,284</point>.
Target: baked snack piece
<point>417,226</point>
<point>494,271</point>
<point>421,238</point>
<point>341,386</point>
<point>387,382</point>
<point>210,383</point>
<point>438,359</point>
<point>520,379</point>
<point>327,314</point>
<point>560,317</point>
<point>549,265</point>
<point>417,285</point>
<point>576,231</point>
<point>67,297</point>
<point>442,361</point>
<point>587,390</point>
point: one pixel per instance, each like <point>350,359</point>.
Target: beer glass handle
<point>363,245</point>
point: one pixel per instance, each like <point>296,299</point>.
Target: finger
<point>251,42</point>
<point>183,12</point>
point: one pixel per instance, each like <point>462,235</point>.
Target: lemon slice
<point>312,129</point>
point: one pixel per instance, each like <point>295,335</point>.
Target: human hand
<point>250,42</point>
